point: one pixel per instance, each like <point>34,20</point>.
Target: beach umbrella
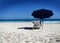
<point>42,14</point>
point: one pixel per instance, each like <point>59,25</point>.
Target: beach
<point>9,33</point>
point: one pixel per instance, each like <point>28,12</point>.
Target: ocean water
<point>31,20</point>
<point>51,22</point>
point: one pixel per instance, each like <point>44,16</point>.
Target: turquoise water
<point>31,20</point>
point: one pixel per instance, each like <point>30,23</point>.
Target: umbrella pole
<point>41,23</point>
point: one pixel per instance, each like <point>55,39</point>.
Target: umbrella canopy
<point>42,13</point>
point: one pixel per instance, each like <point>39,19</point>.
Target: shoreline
<point>48,22</point>
<point>15,25</point>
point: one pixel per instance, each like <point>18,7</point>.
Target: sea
<point>31,20</point>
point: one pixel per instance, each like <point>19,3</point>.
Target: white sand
<point>12,26</point>
<point>49,30</point>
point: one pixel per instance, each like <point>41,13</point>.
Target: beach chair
<point>36,24</point>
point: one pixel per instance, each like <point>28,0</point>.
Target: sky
<point>22,9</point>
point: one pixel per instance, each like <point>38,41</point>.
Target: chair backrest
<point>36,24</point>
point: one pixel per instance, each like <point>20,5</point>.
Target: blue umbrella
<point>42,14</point>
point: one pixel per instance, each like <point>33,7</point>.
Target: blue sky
<point>22,9</point>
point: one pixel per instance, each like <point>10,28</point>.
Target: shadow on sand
<point>28,28</point>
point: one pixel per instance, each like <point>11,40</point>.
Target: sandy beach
<point>49,34</point>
